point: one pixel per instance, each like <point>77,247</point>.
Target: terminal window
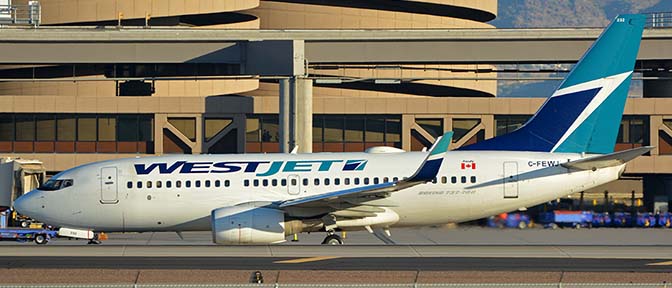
<point>331,132</point>
<point>76,133</point>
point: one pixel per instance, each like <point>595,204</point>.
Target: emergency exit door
<point>510,180</point>
<point>108,185</point>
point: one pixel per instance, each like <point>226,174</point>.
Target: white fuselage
<point>492,183</point>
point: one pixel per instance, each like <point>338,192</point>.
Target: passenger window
<point>197,183</point>
<point>149,184</point>
<point>346,181</point>
<point>169,184</point>
<point>207,183</point>
<point>256,182</point>
<point>246,183</point>
<point>274,182</point>
<point>463,179</point>
<point>294,182</point>
<point>265,182</point>
<point>375,180</point>
<point>356,181</point>
<point>129,185</point>
<point>453,179</point>
<point>139,184</point>
<point>395,179</point>
<point>317,182</point>
<point>218,183</point>
<point>386,179</point>
<point>337,181</point>
<point>187,183</point>
<point>158,184</point>
<point>178,184</point>
<point>305,182</point>
<point>366,181</point>
<point>326,181</point>
<point>444,179</point>
<point>283,182</point>
<point>473,179</point>
<point>227,183</point>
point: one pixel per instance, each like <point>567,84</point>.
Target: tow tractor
<point>42,236</point>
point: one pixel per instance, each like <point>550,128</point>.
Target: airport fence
<point>409,285</point>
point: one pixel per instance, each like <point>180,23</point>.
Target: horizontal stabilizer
<point>608,160</point>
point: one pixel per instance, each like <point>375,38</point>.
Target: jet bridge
<point>17,177</point>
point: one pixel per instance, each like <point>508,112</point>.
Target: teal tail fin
<point>584,113</point>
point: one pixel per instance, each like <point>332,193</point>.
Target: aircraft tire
<point>332,240</point>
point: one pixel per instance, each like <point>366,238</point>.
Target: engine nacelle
<point>247,224</point>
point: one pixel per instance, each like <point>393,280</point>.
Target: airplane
<point>566,147</point>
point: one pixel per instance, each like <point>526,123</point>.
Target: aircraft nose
<point>25,204</point>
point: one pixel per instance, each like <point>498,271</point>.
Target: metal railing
<point>408,285</point>
<point>30,14</point>
<point>659,20</point>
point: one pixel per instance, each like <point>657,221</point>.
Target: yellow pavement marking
<point>304,260</point>
<point>666,263</point>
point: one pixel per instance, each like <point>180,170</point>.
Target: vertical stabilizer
<point>584,112</point>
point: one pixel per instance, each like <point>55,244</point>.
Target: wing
<point>426,172</point>
<point>607,160</point>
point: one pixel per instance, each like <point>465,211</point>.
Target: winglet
<point>430,166</point>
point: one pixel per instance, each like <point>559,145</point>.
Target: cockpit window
<point>56,184</point>
<point>66,183</point>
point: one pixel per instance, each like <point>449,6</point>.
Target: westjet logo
<point>261,168</point>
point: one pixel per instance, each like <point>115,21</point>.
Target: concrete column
<point>407,122</point>
<point>304,114</point>
<point>655,122</point>
<point>159,122</point>
<point>292,112</point>
<point>285,112</point>
<point>198,144</point>
<point>239,121</point>
<point>489,122</point>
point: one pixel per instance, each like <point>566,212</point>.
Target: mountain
<point>570,13</point>
<point>565,13</point>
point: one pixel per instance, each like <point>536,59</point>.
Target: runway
<point>426,255</point>
<point>343,263</point>
<point>465,254</point>
<point>354,251</point>
<point>356,257</point>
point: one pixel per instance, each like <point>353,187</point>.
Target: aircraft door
<point>510,180</point>
<point>293,185</point>
<point>108,185</point>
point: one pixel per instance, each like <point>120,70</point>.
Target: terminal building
<point>70,112</point>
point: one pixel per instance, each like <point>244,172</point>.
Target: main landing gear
<point>332,239</point>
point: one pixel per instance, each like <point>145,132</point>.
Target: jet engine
<point>247,224</point>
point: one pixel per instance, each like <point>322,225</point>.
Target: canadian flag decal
<point>468,165</point>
